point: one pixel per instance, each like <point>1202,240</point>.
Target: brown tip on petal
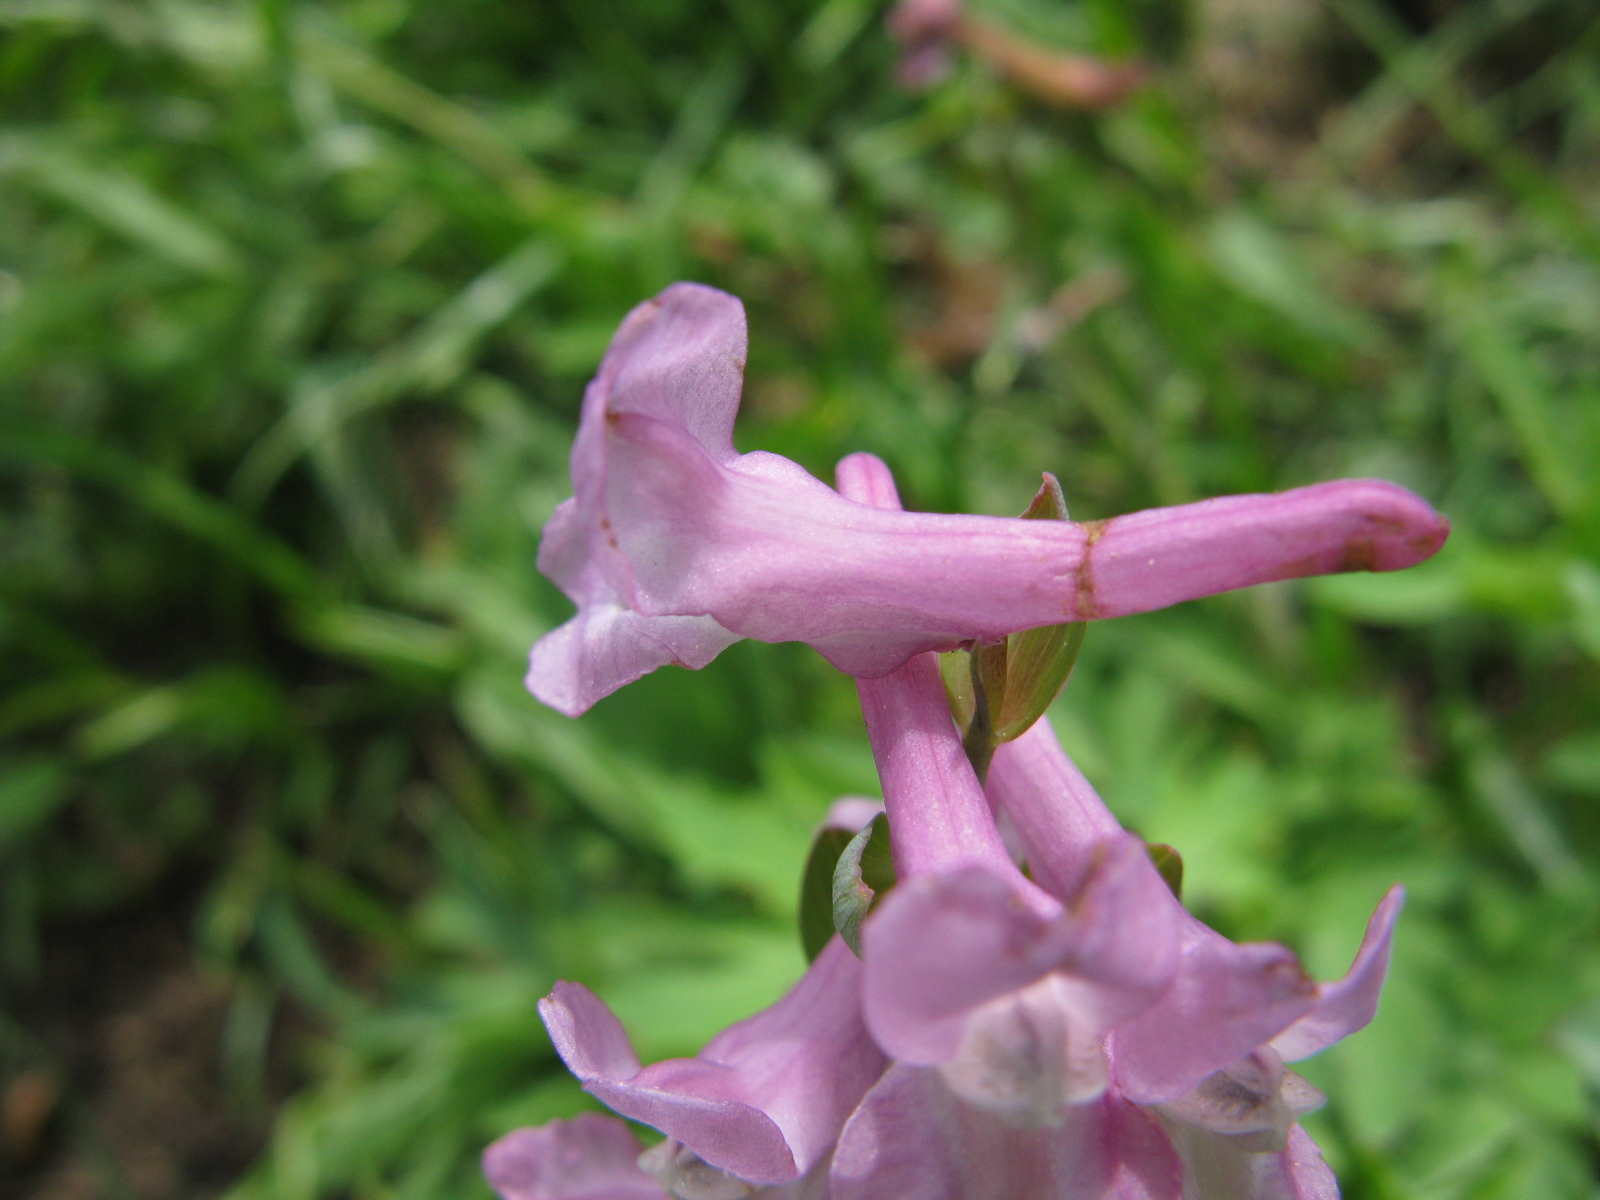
<point>1291,974</point>
<point>1085,606</point>
<point>1428,543</point>
<point>1360,555</point>
<point>1402,544</point>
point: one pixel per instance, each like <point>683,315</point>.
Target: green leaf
<point>1169,864</point>
<point>1012,682</point>
<point>1049,503</point>
<point>863,876</point>
<point>816,888</point>
<point>30,791</point>
<point>1037,661</point>
<point>1038,664</point>
<point>122,202</point>
<point>956,669</point>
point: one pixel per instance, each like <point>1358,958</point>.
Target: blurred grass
<point>296,307</point>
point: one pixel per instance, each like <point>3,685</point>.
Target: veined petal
<point>1348,1004</point>
<point>912,1137</point>
<point>587,1034</point>
<point>607,646</point>
<point>944,945</point>
<point>1225,1000</point>
<point>1254,1102</point>
<point>764,1100</point>
<point>1217,1167</point>
<point>679,358</point>
<point>590,1157</point>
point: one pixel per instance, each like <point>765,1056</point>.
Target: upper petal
<point>942,945</point>
<point>678,358</point>
<point>1348,1004</point>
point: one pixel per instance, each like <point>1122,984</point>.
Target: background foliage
<point>296,306</point>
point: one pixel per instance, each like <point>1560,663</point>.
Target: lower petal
<point>606,647</point>
<point>590,1156</point>
<point>912,1137</point>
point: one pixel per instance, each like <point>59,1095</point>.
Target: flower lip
<point>588,1155</point>
<point>764,1101</point>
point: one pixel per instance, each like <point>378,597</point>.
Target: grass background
<point>296,306</point>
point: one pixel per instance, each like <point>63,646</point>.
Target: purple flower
<point>674,545</point>
<point>1193,1102</point>
<point>1079,1038</point>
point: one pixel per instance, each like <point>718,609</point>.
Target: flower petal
<point>942,945</point>
<point>1348,1004</point>
<point>764,1100</point>
<point>912,1137</point>
<point>1218,1167</point>
<point>606,647</point>
<point>590,1157</point>
<point>679,358</point>
<point>1225,1001</point>
<point>1254,1102</point>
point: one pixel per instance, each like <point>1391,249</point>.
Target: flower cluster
<point>1027,1013</point>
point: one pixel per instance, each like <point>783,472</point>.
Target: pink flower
<point>674,545</point>
<point>1193,1101</point>
<point>1074,1072</point>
